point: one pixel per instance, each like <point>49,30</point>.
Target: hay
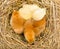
<point>49,38</point>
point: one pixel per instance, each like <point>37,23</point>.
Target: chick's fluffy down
<point>17,22</point>
<point>39,14</point>
<point>25,13</point>
<point>27,10</point>
<point>31,7</point>
<point>32,11</point>
<point>39,26</point>
<point>29,32</point>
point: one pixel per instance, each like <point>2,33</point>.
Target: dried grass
<point>49,38</point>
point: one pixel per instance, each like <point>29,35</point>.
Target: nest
<point>48,39</point>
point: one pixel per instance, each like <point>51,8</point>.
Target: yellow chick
<point>39,20</point>
<point>17,22</point>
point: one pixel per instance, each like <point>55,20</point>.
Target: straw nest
<point>49,38</point>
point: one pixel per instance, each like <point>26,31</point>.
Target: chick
<point>29,32</point>
<point>16,22</point>
<point>39,20</point>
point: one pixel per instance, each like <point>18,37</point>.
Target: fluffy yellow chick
<point>29,32</point>
<point>17,22</point>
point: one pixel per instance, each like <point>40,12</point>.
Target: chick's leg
<point>16,22</point>
<point>28,32</point>
<point>39,26</point>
